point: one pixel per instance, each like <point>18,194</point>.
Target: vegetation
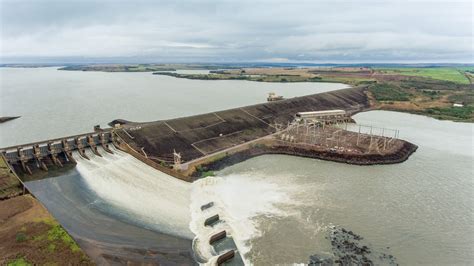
<point>57,233</point>
<point>429,91</point>
<point>259,146</point>
<point>138,67</point>
<point>388,92</point>
<point>262,78</point>
<point>33,236</point>
<point>423,90</point>
<point>19,262</point>
<point>465,97</point>
<point>207,173</point>
<point>20,237</point>
<point>452,113</point>
<point>441,73</point>
<point>120,68</point>
<point>203,172</point>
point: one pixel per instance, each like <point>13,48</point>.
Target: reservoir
<point>54,103</point>
<point>280,209</point>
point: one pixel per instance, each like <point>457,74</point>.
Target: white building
<point>321,115</point>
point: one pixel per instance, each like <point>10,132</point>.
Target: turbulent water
<point>419,211</point>
<point>144,195</point>
<point>118,206</point>
<point>280,209</point>
<point>277,209</point>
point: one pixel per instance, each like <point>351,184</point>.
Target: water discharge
<point>277,209</point>
<point>237,200</point>
<point>140,193</point>
<point>137,193</point>
<point>295,201</point>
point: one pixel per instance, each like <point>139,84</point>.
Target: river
<point>279,208</point>
<point>421,209</point>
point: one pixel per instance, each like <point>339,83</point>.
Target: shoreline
<point>256,150</point>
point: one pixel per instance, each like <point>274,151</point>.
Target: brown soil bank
<point>398,155</point>
<point>9,184</point>
<point>205,134</point>
<point>30,235</point>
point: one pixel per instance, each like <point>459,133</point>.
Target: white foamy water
<point>138,191</point>
<point>237,200</point>
<point>166,204</point>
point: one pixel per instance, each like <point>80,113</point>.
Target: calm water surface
<point>55,103</point>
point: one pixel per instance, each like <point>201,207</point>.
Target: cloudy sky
<point>239,31</point>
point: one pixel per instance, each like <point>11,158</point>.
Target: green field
<point>441,73</point>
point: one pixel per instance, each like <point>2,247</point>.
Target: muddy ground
<point>29,234</point>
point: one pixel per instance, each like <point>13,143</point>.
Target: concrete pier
<point>217,237</point>
<point>54,155</point>
<point>93,147</point>
<point>211,220</point>
<point>225,257</point>
<point>55,152</point>
<point>39,157</point>
<point>104,143</point>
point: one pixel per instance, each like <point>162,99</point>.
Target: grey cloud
<point>240,30</point>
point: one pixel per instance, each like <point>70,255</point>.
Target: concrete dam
<point>186,144</point>
<point>180,146</point>
<point>204,134</point>
<point>28,158</point>
<point>186,147</point>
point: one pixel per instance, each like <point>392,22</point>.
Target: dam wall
<point>197,136</point>
<point>39,155</point>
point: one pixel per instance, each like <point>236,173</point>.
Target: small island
<point>4,119</point>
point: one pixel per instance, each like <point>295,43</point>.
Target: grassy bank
<point>29,235</point>
<point>437,102</point>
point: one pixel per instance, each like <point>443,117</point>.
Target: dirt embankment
<point>10,186</point>
<point>29,234</point>
<point>200,135</point>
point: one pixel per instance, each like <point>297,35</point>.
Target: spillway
<point>137,192</point>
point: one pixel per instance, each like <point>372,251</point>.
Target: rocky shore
<point>400,155</point>
<point>349,248</point>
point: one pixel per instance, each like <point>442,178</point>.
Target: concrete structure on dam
<point>189,142</point>
<point>200,135</point>
<point>180,146</point>
<point>312,126</point>
<point>38,155</point>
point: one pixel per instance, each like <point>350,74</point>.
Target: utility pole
<point>177,160</point>
<point>358,136</point>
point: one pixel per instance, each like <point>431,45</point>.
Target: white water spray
<point>172,206</point>
<point>238,199</point>
<point>138,191</point>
